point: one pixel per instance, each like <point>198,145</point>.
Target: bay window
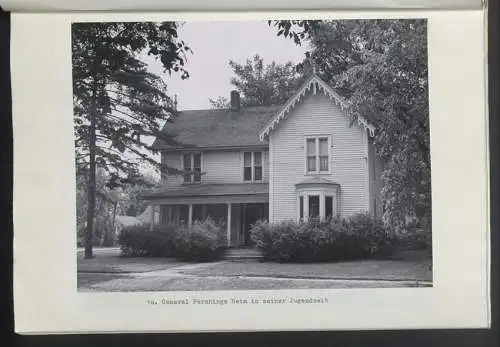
<point>301,207</point>
<point>329,213</point>
<point>314,206</point>
<point>317,204</point>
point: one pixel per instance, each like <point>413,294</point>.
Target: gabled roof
<point>316,84</point>
<point>247,127</point>
<point>128,221</point>
<point>218,128</point>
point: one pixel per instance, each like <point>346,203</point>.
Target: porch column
<point>190,214</point>
<point>244,219</point>
<point>322,213</point>
<point>169,215</point>
<point>152,217</point>
<point>229,224</point>
<point>306,207</point>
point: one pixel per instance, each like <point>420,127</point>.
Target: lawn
<point>108,271</point>
<point>86,280</point>
<point>388,270</point>
<point>110,261</point>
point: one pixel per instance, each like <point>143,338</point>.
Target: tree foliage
<point>296,30</point>
<point>219,103</point>
<point>110,203</point>
<point>380,66</point>
<point>262,84</point>
<point>118,104</point>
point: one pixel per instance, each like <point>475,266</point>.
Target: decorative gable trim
<point>315,84</point>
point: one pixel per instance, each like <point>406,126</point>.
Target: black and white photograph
<point>252,155</point>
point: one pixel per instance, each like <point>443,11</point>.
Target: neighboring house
<point>305,159</point>
<point>122,222</point>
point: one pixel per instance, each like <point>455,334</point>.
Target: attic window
<point>318,154</point>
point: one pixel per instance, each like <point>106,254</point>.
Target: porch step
<point>243,254</point>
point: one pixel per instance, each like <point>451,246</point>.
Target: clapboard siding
<point>171,160</point>
<point>318,115</point>
<point>221,166</point>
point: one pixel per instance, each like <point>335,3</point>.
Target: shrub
<point>415,239</point>
<point>139,240</point>
<point>306,241</point>
<point>357,237</point>
<point>372,231</point>
<point>261,236</point>
<point>201,241</point>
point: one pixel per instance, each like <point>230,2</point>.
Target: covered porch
<point>233,207</point>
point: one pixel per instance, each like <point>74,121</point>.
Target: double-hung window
<point>317,154</point>
<point>192,167</point>
<point>252,166</point>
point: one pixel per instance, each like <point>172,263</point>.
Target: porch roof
<point>316,180</point>
<point>211,190</point>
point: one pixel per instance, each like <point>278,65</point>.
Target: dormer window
<point>192,167</point>
<point>252,166</point>
<point>317,150</point>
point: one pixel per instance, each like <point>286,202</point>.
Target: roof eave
<point>215,148</point>
<point>316,84</point>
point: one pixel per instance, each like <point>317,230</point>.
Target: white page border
<point>46,300</point>
<point>238,5</point>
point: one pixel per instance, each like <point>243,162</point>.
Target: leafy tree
<point>262,84</point>
<point>117,102</point>
<point>380,66</point>
<point>296,30</point>
<point>219,103</point>
<point>130,202</point>
<point>107,201</point>
<point>110,203</point>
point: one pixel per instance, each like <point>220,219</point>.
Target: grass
<point>199,283</point>
<point>108,271</point>
<point>111,262</point>
<point>85,280</point>
<point>389,270</point>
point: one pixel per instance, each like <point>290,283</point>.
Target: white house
<point>305,159</point>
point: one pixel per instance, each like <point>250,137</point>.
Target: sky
<point>213,45</point>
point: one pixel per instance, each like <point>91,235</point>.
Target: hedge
<point>357,237</point>
<point>201,241</point>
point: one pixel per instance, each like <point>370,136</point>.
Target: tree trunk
<point>115,205</point>
<point>91,188</point>
<point>99,228</point>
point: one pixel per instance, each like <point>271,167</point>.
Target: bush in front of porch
<point>201,241</point>
<point>358,237</point>
<point>139,240</point>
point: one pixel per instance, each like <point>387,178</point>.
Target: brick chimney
<point>235,101</point>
